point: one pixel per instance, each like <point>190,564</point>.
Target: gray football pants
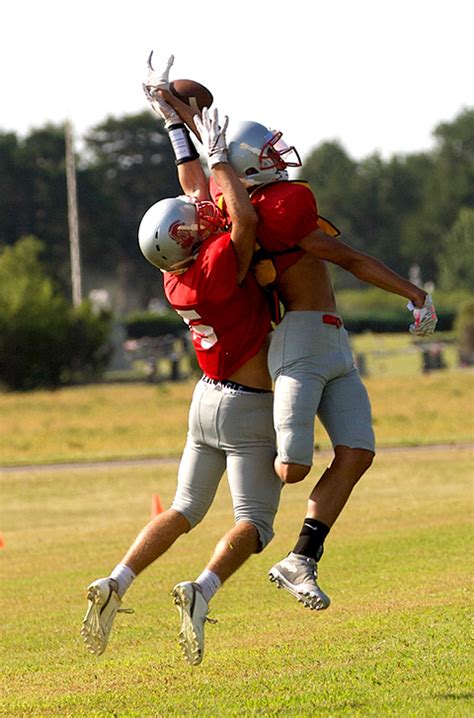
<point>232,432</point>
<point>312,365</point>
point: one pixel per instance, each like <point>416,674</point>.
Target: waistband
<point>232,387</point>
<point>313,317</point>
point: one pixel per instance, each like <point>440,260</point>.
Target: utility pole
<point>72,216</point>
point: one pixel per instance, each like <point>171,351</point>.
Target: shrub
<point>43,340</point>
<point>90,348</point>
<point>149,324</point>
<point>465,334</point>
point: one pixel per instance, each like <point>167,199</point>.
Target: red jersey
<point>287,213</point>
<point>228,321</point>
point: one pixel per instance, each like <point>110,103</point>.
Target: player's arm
<point>157,82</point>
<point>184,111</point>
<point>373,271</point>
<point>241,212</point>
<point>361,265</point>
<point>190,173</point>
<point>242,215</point>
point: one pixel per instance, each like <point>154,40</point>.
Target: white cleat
<point>193,610</point>
<point>298,574</point>
<point>103,605</point>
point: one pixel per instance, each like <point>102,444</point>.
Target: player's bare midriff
<point>306,286</point>
<point>254,372</point>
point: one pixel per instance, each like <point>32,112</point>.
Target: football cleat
<point>298,574</point>
<point>193,610</point>
<point>103,605</point>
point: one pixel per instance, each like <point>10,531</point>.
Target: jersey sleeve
<point>287,213</point>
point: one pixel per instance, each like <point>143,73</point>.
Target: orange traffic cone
<point>156,506</point>
<point>2,541</point>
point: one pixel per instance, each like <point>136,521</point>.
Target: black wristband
<point>182,144</point>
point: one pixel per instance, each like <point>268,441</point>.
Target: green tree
<point>131,165</point>
<point>125,166</point>
<point>400,210</point>
<point>369,201</point>
<point>446,181</point>
<point>456,256</point>
<point>42,163</point>
<point>34,194</point>
<point>12,206</point>
<point>331,174</point>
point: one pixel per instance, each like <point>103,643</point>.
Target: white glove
<point>158,79</point>
<point>161,107</point>
<point>212,137</point>
<point>425,318</point>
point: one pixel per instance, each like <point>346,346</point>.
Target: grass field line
<point>160,460</point>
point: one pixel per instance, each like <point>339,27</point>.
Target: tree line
<point>410,209</point>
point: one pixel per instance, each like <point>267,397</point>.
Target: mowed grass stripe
<point>141,420</point>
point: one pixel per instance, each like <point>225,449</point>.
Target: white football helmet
<point>259,155</point>
<point>172,230</point>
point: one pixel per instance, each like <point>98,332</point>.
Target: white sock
<point>209,583</point>
<point>123,577</point>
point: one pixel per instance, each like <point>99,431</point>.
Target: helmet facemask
<point>209,221</point>
<point>276,154</point>
<point>259,155</point>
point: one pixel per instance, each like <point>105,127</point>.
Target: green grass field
<point>401,354</point>
<point>132,420</point>
<point>395,641</point>
<point>398,567</point>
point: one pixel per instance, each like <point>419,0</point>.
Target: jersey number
<point>203,334</point>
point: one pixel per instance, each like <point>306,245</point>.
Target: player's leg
<point>294,365</point>
<point>245,431</point>
<point>104,595</point>
<point>345,412</point>
<point>192,597</point>
<point>331,358</point>
<point>255,489</point>
<point>192,606</point>
<point>333,489</point>
<point>297,395</point>
<point>327,499</point>
<point>188,595</point>
<point>200,471</point>
<point>296,402</point>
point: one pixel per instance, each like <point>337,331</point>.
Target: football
<point>192,93</point>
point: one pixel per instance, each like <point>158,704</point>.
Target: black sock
<point>311,539</point>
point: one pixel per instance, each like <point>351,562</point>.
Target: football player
<point>310,359</point>
<point>230,429</point>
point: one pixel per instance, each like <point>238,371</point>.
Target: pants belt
<point>331,319</point>
<point>233,387</point>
